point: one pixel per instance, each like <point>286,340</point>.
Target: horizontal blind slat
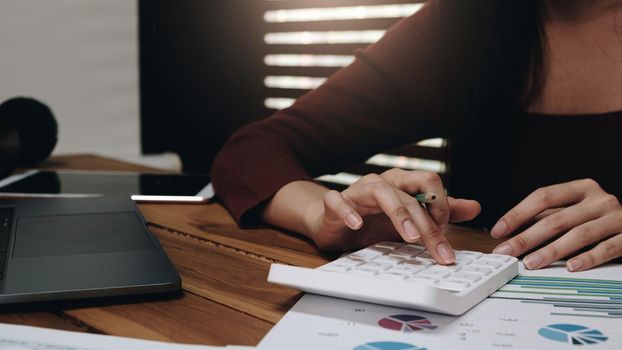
<point>294,4</point>
<point>303,71</point>
<point>288,93</point>
<point>324,49</point>
<point>355,24</point>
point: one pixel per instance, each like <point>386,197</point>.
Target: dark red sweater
<point>387,98</point>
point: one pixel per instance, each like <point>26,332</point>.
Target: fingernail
<point>533,261</point>
<point>410,230</point>
<point>503,249</point>
<point>446,253</point>
<point>353,221</point>
<point>499,229</point>
<point>574,265</point>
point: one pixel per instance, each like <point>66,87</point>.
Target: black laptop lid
<point>80,248</point>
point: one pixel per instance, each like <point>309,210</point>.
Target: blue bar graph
<point>579,297</point>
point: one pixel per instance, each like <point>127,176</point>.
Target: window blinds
<point>305,41</point>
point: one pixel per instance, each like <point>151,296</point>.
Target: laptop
<point>56,249</point>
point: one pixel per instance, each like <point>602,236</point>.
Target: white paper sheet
<point>14,337</point>
<point>529,313</point>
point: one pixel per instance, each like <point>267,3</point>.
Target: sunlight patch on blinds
<point>343,178</point>
<point>293,82</point>
<point>293,60</point>
<point>279,102</point>
<point>341,13</point>
<point>316,42</point>
<point>435,142</point>
<point>410,163</point>
<point>330,37</point>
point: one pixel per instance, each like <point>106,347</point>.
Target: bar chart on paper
<point>567,296</point>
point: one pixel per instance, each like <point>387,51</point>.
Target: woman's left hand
<point>572,215</point>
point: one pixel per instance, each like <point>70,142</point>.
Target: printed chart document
<point>34,338</point>
<point>545,309</point>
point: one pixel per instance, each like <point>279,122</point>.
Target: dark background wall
<point>202,72</point>
<point>200,75</point>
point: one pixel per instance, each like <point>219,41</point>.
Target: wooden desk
<point>225,298</point>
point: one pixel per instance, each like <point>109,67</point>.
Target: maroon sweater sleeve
<point>384,99</point>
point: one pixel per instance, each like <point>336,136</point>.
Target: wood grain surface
<point>225,298</point>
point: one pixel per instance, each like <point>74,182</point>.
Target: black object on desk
<point>57,249</point>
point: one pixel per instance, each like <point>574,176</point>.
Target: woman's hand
<point>572,215</point>
<point>380,207</point>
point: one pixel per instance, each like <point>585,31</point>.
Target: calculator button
<point>399,254</point>
<point>389,259</point>
<point>336,268</point>
<point>377,266</point>
<point>493,264</point>
<point>368,253</point>
<point>407,251</point>
<point>453,285</point>
<point>425,255</point>
<point>436,272</point>
<point>417,262</point>
<point>364,272</point>
<point>423,279</point>
<point>411,269</point>
<point>466,276</point>
<point>468,254</point>
<point>502,258</point>
<point>390,275</point>
<point>478,269</point>
<point>389,245</point>
<point>463,260</point>
<point>452,268</point>
<point>347,261</point>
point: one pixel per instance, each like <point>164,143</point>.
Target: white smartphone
<point>142,187</point>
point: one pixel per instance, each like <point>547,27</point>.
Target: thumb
<point>463,209</point>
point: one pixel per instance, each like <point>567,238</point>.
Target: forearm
<point>295,206</point>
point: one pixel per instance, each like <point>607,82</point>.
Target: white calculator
<point>404,275</point>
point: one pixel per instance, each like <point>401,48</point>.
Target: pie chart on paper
<point>387,345</point>
<point>572,334</point>
<point>406,323</point>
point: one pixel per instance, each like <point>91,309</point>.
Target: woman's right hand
<point>380,207</point>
